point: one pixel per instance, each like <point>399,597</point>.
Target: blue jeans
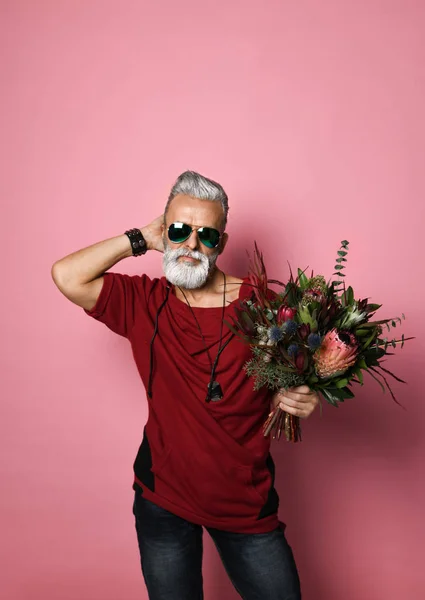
<point>261,566</point>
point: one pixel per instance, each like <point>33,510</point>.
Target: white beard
<point>187,275</point>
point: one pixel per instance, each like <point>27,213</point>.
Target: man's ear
<point>223,242</point>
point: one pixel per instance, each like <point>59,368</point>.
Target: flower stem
<point>279,420</point>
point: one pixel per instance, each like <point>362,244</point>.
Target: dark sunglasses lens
<point>179,232</point>
<point>209,237</point>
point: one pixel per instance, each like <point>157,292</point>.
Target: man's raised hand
<point>153,234</point>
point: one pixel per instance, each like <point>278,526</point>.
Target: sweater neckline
<point>181,306</point>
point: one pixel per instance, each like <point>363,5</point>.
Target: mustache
<point>175,254</point>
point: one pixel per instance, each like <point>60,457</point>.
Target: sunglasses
<point>180,232</point>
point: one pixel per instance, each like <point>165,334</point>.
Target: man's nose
<point>192,241</point>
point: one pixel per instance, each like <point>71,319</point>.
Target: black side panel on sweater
<point>143,464</point>
<point>272,502</point>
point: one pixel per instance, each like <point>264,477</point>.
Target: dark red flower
<point>304,331</point>
<point>285,313</point>
<point>299,361</point>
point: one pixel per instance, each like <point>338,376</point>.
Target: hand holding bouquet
<point>313,333</point>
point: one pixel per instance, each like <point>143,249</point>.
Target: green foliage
<point>304,316</point>
<point>334,395</point>
<point>271,374</point>
<point>302,279</point>
<point>372,356</point>
<point>347,298</point>
<point>358,372</point>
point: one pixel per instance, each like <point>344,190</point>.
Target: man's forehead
<point>187,207</point>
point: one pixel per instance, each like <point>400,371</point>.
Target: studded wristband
<point>137,241</point>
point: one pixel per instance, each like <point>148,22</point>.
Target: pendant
<point>214,391</point>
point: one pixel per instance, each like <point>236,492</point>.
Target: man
<point>203,461</point>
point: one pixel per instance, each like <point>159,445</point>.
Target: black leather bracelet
<point>137,241</point>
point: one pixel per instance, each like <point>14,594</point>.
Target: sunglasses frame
<point>192,229</point>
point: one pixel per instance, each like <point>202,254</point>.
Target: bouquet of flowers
<point>313,333</point>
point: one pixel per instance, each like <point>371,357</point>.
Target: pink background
<point>311,116</point>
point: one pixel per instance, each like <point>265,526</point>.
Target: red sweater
<point>206,462</point>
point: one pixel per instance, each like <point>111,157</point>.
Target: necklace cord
<point>151,356</point>
<point>220,347</point>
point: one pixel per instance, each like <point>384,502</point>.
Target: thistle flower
<point>292,349</point>
<point>275,334</point>
<point>338,352</point>
<point>314,340</point>
<point>290,327</point>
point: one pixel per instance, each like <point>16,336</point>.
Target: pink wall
<point>311,115</point>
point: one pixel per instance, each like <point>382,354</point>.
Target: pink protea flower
<point>336,354</point>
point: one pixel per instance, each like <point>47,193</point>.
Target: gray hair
<point>193,184</point>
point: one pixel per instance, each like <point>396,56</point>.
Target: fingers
<point>294,408</point>
<point>301,393</point>
<point>300,389</point>
<point>153,234</point>
<point>297,412</point>
<point>300,403</point>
